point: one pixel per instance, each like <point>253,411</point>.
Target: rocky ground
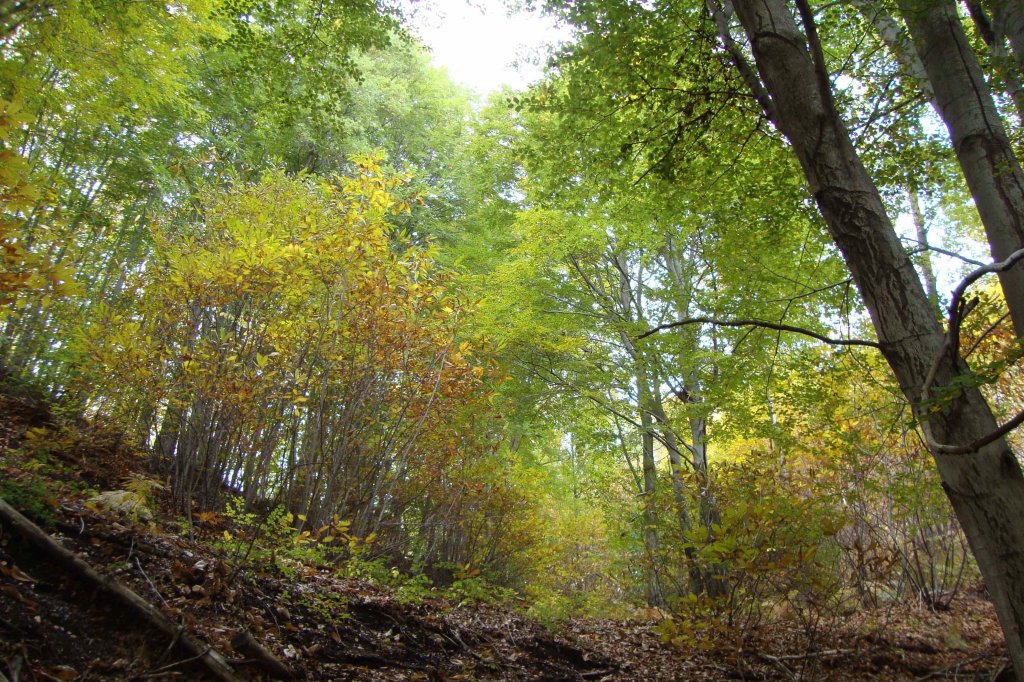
<point>308,623</point>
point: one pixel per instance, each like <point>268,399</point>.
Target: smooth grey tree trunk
<point>627,304</point>
<point>925,257</point>
<point>979,138</point>
<point>1005,61</point>
<point>675,455</point>
<point>650,513</point>
<point>895,38</point>
<point>708,579</point>
<point>986,487</point>
<point>1008,22</point>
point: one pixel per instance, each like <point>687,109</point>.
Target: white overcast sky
<point>481,44</point>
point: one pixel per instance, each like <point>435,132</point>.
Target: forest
<point>716,327</point>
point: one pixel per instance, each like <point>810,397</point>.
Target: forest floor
<point>55,625</point>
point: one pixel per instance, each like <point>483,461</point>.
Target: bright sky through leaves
<point>484,45</point>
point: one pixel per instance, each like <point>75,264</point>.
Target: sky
<point>481,44</point>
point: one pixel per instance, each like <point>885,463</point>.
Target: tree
<point>137,107</point>
<point>980,474</point>
<point>1000,24</point>
<point>987,159</point>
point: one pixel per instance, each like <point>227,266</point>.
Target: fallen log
<point>31,533</point>
<point>244,643</point>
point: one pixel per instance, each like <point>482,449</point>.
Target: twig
<point>244,643</point>
<point>162,600</point>
<point>170,647</point>
<point>815,654</point>
<point>988,330</point>
<point>941,672</point>
<point>141,548</point>
<point>958,294</point>
<point>778,663</point>
<point>454,638</point>
<point>25,659</point>
<point>171,666</point>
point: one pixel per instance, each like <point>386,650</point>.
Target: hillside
<point>319,625</point>
<point>699,357</point>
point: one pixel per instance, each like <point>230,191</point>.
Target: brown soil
<point>326,627</point>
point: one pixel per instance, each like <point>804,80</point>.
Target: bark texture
<point>1003,63</point>
<point>986,488</point>
<point>979,138</point>
<point>895,38</point>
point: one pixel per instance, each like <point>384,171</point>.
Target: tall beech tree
<point>989,164</point>
<point>980,474</point>
<point>790,84</point>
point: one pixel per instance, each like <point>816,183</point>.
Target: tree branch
<point>133,604</point>
<point>984,335</point>
<point>959,308</point>
<point>817,55</point>
<point>944,252</point>
<point>720,14</point>
<point>979,443</point>
<point>764,324</point>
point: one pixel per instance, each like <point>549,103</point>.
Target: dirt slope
<point>319,626</point>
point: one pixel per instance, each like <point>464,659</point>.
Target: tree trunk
<point>650,513</point>
<point>1010,16</point>
<point>1004,64</point>
<point>675,456</point>
<point>627,305</point>
<point>698,583</point>
<point>988,161</point>
<point>895,38</point>
<point>986,487</point>
<point>712,579</point>
<point>925,257</point>
<point>1008,23</point>
<point>709,580</point>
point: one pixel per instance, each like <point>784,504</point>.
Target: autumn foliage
<point>595,350</point>
<point>285,345</point>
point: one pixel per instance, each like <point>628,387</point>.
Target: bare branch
<point>959,308</point>
<point>721,13</point>
<point>979,443</point>
<point>956,315</point>
<point>763,324</point>
<point>811,292</point>
<point>984,335</point>
<point>945,252</point>
<point>817,55</point>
